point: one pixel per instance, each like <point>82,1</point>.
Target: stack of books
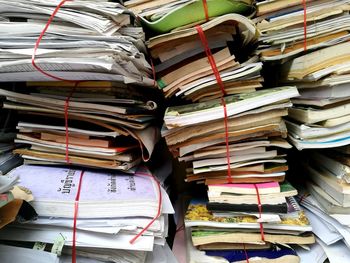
<point>320,116</point>
<point>232,227</point>
<point>288,27</point>
<point>87,40</point>
<point>162,16</point>
<point>102,115</point>
<point>183,69</point>
<point>109,126</point>
<point>242,145</point>
<point>113,209</point>
<point>195,134</point>
<point>308,43</point>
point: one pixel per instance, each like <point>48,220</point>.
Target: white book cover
<point>102,194</point>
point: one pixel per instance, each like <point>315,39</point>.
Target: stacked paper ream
<point>252,141</point>
<point>322,109</point>
<point>289,27</point>
<point>110,124</point>
<point>95,118</point>
<point>114,130</point>
<point>326,199</point>
<point>94,43</point>
<point>309,46</point>
<point>106,224</point>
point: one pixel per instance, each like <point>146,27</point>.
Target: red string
<point>305,25</point>
<point>205,7</point>
<point>66,118</point>
<point>66,104</point>
<point>246,253</point>
<point>211,59</point>
<point>159,211</point>
<point>223,102</point>
<point>37,43</point>
<point>182,227</point>
<point>76,207</point>
<point>66,115</point>
<point>303,197</point>
<point>260,212</point>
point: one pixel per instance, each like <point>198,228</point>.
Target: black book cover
<point>222,207</point>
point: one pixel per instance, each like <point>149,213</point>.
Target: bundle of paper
<point>109,126</point>
<point>14,253</point>
<point>320,116</point>
<point>195,134</point>
<point>113,209</point>
<point>182,66</point>
<point>330,220</point>
<point>87,40</point>
<point>231,233</point>
<point>240,253</point>
<point>289,26</point>
<point>162,16</point>
<point>329,172</point>
<point>242,197</point>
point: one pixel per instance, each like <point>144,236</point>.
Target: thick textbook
<point>103,194</point>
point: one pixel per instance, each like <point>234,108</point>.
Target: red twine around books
<point>76,208</point>
<point>66,118</point>
<point>66,115</point>
<point>246,253</point>
<point>211,59</point>
<point>223,102</point>
<point>260,212</point>
<point>305,25</point>
<point>206,11</point>
<point>37,43</point>
<point>66,104</point>
<point>159,211</point>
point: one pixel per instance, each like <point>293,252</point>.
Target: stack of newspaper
<point>87,40</point>
<point>113,209</point>
<point>109,126</point>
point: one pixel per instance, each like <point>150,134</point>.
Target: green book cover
<point>193,12</point>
